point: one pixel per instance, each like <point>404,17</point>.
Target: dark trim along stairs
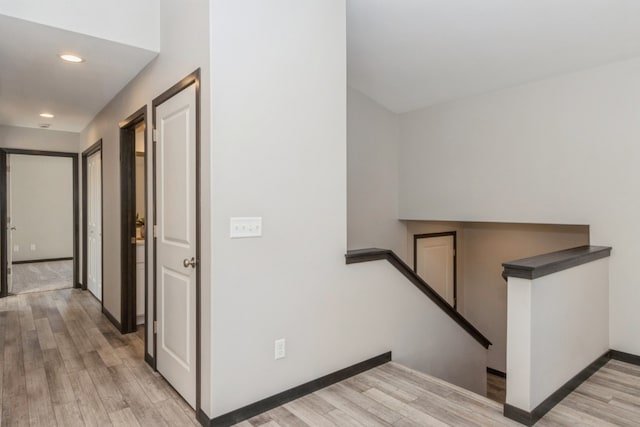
<point>364,255</point>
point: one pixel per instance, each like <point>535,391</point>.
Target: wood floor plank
<point>260,419</point>
<point>45,334</point>
<point>285,418</point>
<point>68,414</point>
<point>342,419</point>
<point>32,353</point>
<point>40,407</point>
<point>15,408</point>
<point>174,415</point>
<point>430,394</point>
<point>107,389</point>
<point>26,316</point>
<point>404,409</point>
<point>79,337</point>
<point>103,347</point>
<point>372,408</point>
<point>89,403</point>
<point>305,411</point>
<point>124,418</point>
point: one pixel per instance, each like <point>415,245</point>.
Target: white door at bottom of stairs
<point>435,264</point>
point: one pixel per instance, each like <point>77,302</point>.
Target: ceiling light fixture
<point>47,115</point>
<point>71,58</point>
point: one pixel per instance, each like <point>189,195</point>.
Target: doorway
<point>434,260</point>
<point>38,220</point>
<point>92,220</point>
<point>176,240</point>
<point>133,208</point>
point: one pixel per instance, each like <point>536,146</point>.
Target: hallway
<point>63,363</point>
<point>41,276</point>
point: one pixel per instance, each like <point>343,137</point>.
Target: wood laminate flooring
<point>496,388</point>
<point>63,363</point>
<point>393,395</point>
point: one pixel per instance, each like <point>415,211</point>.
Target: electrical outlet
<point>16,248</point>
<point>280,349</point>
<point>32,247</point>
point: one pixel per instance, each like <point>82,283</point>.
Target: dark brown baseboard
<point>112,319</point>
<point>496,372</point>
<point>149,359</point>
<point>625,357</point>
<point>279,399</point>
<point>530,418</point>
<point>29,261</point>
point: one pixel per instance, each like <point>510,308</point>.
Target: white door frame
<point>191,79</point>
<point>417,237</point>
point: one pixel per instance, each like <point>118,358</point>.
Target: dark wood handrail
<point>374,254</point>
<point>553,262</point>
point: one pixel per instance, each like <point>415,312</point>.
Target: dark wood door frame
<point>3,210</point>
<point>95,148</point>
<point>4,291</point>
<point>193,78</point>
<point>417,237</point>
<point>128,313</point>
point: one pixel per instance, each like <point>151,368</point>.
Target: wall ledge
<point>553,262</point>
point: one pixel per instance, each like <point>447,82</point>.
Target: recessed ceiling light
<point>47,115</point>
<point>71,58</point>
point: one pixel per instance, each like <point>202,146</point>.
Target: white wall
<point>558,325</point>
<point>372,176</point>
<point>41,206</point>
<point>97,18</point>
<point>279,152</point>
<point>559,151</point>
<point>38,139</point>
<point>184,47</point>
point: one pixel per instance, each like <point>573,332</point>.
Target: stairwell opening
<point>481,292</point>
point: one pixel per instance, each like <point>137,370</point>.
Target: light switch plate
<point>280,349</point>
<point>241,227</point>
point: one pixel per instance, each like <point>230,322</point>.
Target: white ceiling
<point>33,79</point>
<point>410,54</point>
<point>405,54</point>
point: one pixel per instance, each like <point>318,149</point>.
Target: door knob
<point>190,262</point>
<point>13,229</point>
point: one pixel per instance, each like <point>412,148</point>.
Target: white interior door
<point>435,264</point>
<point>176,241</point>
<point>10,229</point>
<point>94,224</point>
